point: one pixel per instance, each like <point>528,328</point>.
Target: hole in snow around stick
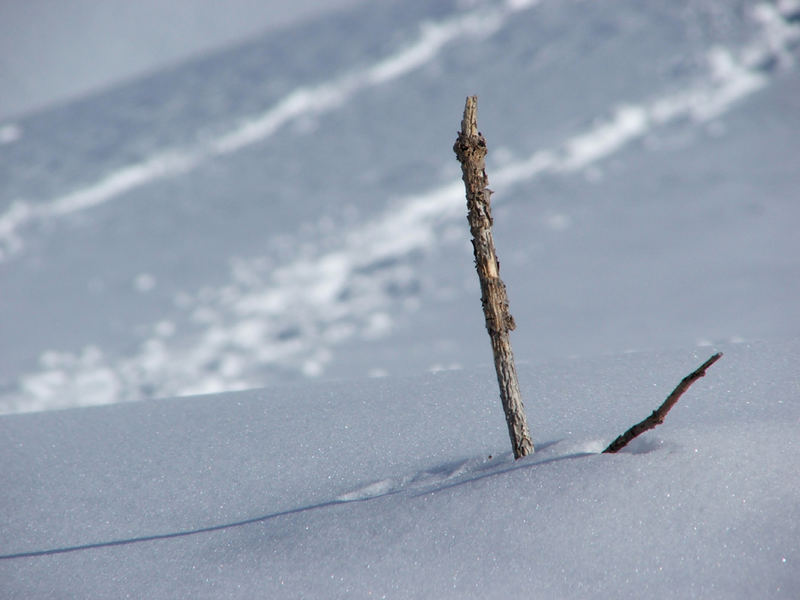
<point>458,472</point>
<point>645,445</point>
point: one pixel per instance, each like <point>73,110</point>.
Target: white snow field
<point>385,488</point>
<point>256,265</point>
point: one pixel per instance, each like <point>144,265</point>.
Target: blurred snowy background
<point>52,51</point>
<point>183,210</point>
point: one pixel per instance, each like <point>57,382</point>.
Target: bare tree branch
<point>658,415</point>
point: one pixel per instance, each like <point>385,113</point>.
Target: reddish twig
<point>658,415</point>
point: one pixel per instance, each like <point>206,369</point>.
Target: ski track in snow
<point>10,133</point>
<point>292,316</point>
<point>301,103</point>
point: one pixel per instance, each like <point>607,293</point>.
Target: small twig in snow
<point>658,415</point>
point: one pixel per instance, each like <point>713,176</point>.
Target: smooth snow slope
<point>291,208</point>
<point>53,51</point>
<point>405,488</point>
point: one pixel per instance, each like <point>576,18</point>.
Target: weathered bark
<point>470,148</point>
<point>658,415</point>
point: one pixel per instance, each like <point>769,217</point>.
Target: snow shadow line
<point>515,466</point>
<point>493,472</point>
<point>188,532</point>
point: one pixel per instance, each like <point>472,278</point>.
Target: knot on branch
<point>498,318</point>
<point>470,147</point>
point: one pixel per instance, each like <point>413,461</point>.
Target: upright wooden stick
<point>470,148</point>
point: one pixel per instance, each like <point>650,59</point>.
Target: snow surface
<point>638,185</point>
<point>287,215</point>
<point>405,488</point>
<point>54,51</point>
